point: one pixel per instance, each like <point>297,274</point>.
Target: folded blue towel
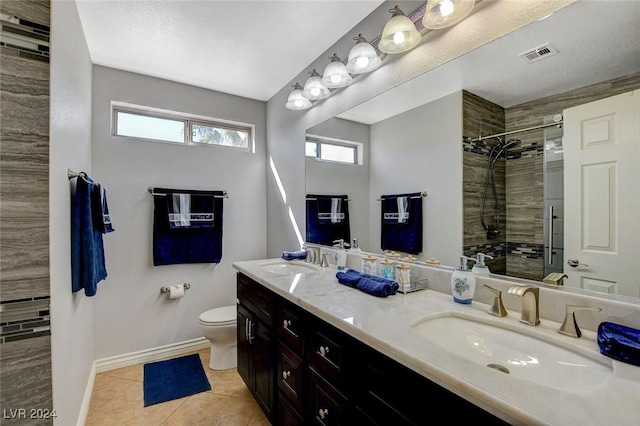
<point>349,277</point>
<point>619,342</point>
<point>294,255</point>
<point>378,287</point>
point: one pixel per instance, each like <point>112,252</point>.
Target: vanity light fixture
<point>444,13</point>
<point>296,101</point>
<point>399,34</point>
<point>313,87</point>
<point>362,57</point>
<point>335,74</point>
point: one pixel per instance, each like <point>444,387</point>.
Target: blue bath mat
<point>174,378</point>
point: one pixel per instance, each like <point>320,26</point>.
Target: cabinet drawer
<point>327,351</point>
<point>290,375</point>
<point>327,405</point>
<point>290,325</point>
<point>287,415</point>
<point>256,298</point>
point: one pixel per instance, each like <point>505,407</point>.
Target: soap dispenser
<point>463,282</point>
<point>479,267</point>
<point>355,247</point>
<point>341,256</point>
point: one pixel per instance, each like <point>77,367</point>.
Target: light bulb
<point>298,103</point>
<point>315,91</point>
<point>362,62</point>
<point>398,38</point>
<point>335,79</point>
<point>446,8</point>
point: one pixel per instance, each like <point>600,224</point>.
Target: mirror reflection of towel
<point>327,219</point>
<point>401,223</point>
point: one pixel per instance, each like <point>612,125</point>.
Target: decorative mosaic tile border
<point>24,319</point>
<point>524,150</point>
<point>26,39</point>
<point>530,251</point>
<point>492,249</point>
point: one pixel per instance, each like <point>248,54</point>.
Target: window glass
<point>143,126</point>
<point>311,149</point>
<point>343,154</point>
<point>214,135</point>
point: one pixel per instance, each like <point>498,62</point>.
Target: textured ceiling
<point>246,48</point>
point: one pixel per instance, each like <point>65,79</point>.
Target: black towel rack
<point>153,192</point>
<point>422,194</point>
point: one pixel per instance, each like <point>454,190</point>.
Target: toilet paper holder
<point>186,286</point>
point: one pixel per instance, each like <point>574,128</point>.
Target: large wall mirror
<point>503,196</point>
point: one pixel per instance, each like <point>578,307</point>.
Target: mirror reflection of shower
<point>492,226</point>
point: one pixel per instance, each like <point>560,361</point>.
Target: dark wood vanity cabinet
<point>302,371</point>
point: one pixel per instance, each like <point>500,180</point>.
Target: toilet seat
<point>225,315</point>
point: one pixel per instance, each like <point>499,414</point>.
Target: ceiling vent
<point>539,52</point>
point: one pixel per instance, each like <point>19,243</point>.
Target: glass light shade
<point>296,101</point>
<point>335,74</point>
<point>444,13</point>
<point>362,57</point>
<point>313,87</point>
<point>399,34</point>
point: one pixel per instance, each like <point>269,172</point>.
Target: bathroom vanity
<point>312,350</point>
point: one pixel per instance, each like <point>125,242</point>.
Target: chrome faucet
<point>313,255</point>
<point>529,313</point>
<point>570,327</point>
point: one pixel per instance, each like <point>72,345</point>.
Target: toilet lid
<point>219,316</point>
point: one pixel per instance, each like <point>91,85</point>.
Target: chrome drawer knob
<point>323,413</point>
<point>324,350</point>
<point>286,374</point>
<point>286,323</point>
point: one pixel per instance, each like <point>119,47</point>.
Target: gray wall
<point>25,342</point>
<point>72,314</point>
<point>130,312</point>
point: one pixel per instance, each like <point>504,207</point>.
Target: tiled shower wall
<point>25,342</point>
<point>480,118</point>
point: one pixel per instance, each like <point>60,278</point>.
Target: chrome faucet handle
<point>324,262</point>
<point>570,326</point>
<point>497,308</point>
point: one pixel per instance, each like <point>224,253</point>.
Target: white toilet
<point>219,326</point>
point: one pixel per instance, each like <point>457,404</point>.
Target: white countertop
<point>384,324</point>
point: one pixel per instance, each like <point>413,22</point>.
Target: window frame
<point>323,140</point>
<point>188,121</point>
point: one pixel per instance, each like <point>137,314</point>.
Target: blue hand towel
<point>87,250</point>
<point>294,255</point>
<point>401,223</point>
<point>180,245</point>
<point>349,277</point>
<point>619,342</point>
<point>378,287</point>
<point>327,219</point>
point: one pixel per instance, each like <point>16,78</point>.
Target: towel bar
<point>422,194</point>
<point>186,286</point>
<point>160,194</point>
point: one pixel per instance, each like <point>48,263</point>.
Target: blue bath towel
<point>401,223</point>
<point>294,255</point>
<point>191,210</point>
<point>87,250</point>
<point>619,342</point>
<point>180,245</point>
<point>371,284</point>
<point>327,219</point>
<point>378,287</point>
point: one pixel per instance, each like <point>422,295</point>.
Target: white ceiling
<point>245,48</point>
<point>254,48</point>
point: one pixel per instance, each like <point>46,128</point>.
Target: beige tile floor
<point>118,400</point>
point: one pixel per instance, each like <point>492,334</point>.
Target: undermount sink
<point>288,267</point>
<point>513,352</point>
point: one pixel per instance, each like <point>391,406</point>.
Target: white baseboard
<point>150,355</point>
<point>133,358</point>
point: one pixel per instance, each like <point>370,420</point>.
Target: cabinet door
<point>327,405</point>
<point>263,357</point>
<point>244,348</point>
<point>290,375</point>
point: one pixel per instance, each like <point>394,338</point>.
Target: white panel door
<point>602,195</point>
